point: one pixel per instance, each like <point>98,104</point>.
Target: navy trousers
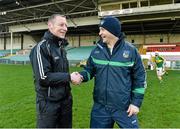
<point>105,117</point>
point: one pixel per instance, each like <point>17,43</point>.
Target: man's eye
<point>61,25</point>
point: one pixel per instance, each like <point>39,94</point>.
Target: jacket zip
<point>49,91</point>
<point>62,56</point>
<point>107,79</point>
<point>106,84</point>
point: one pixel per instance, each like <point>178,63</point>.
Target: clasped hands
<point>76,78</point>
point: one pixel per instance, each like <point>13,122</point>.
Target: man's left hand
<point>132,110</point>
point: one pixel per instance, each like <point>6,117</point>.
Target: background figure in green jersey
<point>160,66</point>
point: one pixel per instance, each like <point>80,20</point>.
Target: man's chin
<point>62,37</point>
<point>104,41</point>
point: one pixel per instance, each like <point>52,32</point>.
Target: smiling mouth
<point>62,33</point>
<point>103,37</point>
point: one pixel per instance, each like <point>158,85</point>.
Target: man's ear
<point>49,25</point>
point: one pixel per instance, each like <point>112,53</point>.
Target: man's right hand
<point>76,78</point>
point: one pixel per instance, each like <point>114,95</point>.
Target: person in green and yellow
<point>160,66</point>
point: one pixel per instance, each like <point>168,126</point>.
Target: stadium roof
<point>21,12</point>
<point>25,11</point>
<point>16,12</point>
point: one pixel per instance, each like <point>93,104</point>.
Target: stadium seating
<point>79,53</point>
<point>164,49</point>
<point>20,58</point>
<point>7,52</point>
<point>74,55</point>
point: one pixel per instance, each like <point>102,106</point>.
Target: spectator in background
<point>52,78</point>
<point>120,78</point>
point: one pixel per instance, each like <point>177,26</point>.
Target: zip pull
<point>60,44</point>
<point>49,91</point>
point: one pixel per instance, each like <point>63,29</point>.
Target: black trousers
<point>55,114</point>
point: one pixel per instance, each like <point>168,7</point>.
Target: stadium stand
<point>7,52</point>
<point>144,22</point>
<point>16,58</point>
<point>20,58</point>
<point>169,51</point>
<point>79,53</point>
<point>76,55</point>
<point>142,50</point>
<point>164,48</point>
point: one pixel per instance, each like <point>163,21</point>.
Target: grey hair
<point>52,17</point>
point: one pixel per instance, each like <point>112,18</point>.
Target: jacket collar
<point>58,41</point>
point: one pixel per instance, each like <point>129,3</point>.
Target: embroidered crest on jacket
<point>126,54</point>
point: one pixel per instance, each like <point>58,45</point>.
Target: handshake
<point>76,78</point>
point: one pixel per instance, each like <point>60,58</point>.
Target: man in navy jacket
<point>120,78</point>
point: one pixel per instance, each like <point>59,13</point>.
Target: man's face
<point>105,35</point>
<point>156,54</point>
<point>58,26</point>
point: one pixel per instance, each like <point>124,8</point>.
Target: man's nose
<point>65,28</point>
<point>100,33</point>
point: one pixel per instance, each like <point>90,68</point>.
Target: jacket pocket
<point>56,93</point>
<point>41,105</point>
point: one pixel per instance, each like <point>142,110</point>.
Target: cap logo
<point>102,22</point>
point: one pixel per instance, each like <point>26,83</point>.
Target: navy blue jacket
<point>120,78</point>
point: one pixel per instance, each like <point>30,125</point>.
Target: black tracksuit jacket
<point>50,68</point>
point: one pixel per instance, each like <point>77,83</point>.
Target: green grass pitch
<point>160,109</point>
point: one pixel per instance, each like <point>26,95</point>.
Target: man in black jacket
<point>52,78</point>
